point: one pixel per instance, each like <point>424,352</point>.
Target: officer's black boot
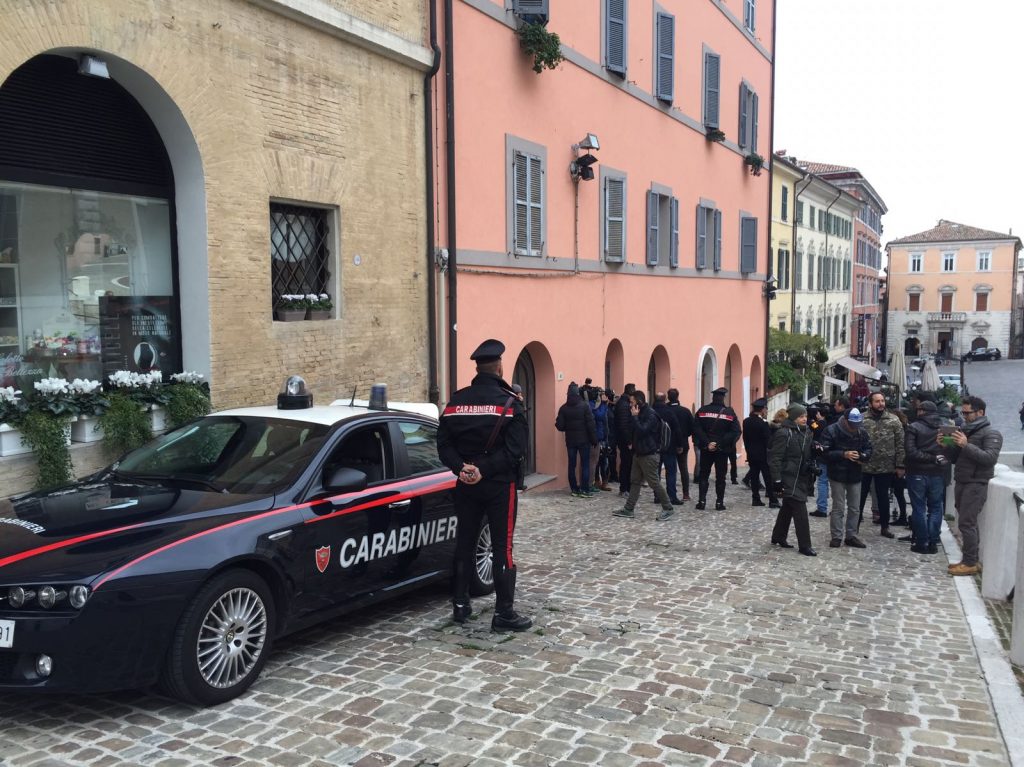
<point>461,608</point>
<point>702,497</point>
<point>505,618</point>
<point>756,500</point>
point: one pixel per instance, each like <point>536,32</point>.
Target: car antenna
<point>352,402</point>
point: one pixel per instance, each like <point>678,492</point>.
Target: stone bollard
<point>997,531</point>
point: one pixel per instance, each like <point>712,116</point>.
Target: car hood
<point>93,524</point>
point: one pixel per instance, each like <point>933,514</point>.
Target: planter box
<point>10,441</point>
<point>86,429</point>
<point>319,314</point>
<point>159,419</point>
<point>290,315</point>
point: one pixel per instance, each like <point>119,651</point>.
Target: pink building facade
<point>652,270</point>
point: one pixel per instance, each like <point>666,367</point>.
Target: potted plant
<point>545,46</point>
<point>188,398</point>
<point>755,162</point>
<point>714,134</point>
<point>291,307</point>
<point>90,403</point>
<point>145,391</point>
<point>319,306</point>
<point>46,429</point>
<point>12,408</point>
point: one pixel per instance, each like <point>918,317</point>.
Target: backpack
<point>666,437</point>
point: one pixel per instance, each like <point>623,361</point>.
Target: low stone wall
<point>18,473</point>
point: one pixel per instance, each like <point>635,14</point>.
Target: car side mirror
<point>344,480</point>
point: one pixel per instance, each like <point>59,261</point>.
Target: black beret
<point>489,351</point>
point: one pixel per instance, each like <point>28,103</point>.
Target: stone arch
<point>540,396</point>
<point>733,379</point>
<point>659,372</point>
<point>614,366</point>
<point>707,375</point>
<point>756,379</point>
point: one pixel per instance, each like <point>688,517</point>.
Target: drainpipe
<point>433,393</point>
<point>449,96</point>
<point>771,190</point>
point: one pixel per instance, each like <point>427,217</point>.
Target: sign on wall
<point>140,334</point>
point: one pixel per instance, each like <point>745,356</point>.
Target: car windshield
<point>228,454</point>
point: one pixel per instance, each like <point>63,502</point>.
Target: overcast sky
<point>919,95</point>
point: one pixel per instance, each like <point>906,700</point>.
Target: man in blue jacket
<point>646,446</point>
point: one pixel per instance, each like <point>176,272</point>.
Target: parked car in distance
<point>951,379</point>
<point>982,353</point>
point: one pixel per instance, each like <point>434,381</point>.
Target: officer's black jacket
<point>716,422</point>
<point>756,436</point>
<point>466,425</point>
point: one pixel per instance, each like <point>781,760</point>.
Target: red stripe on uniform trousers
<point>511,524</point>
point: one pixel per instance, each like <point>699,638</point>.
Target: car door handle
<point>400,504</point>
<point>279,535</point>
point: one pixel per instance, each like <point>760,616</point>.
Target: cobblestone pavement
<point>685,642</point>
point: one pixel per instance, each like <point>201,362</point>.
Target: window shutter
<point>785,203</point>
<point>742,140</point>
<point>748,245</point>
<point>535,11</point>
<point>614,220</point>
<point>652,228</point>
<point>673,243</point>
<point>753,123</point>
<point>615,31</point>
<point>522,204</point>
<point>702,237</point>
<point>666,32</point>
<point>536,207</point>
<point>718,240</point>
<point>711,75</point>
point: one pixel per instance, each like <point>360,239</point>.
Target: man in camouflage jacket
<point>887,457</point>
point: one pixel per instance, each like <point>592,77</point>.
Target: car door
<point>423,522</point>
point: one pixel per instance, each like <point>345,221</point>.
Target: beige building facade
<point>950,290</point>
<point>179,167</point>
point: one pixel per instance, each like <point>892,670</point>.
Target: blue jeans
<point>583,451</point>
<point>926,494</point>
<point>821,494</point>
<point>668,460</point>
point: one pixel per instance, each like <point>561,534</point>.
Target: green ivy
<point>47,435</point>
<point>125,425</point>
<point>793,361</point>
<point>186,402</point>
<point>545,47</point>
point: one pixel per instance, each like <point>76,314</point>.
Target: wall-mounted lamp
<point>93,66</point>
<point>579,168</point>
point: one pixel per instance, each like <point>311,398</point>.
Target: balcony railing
<point>951,318</point>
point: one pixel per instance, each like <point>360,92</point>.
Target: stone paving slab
<point>685,642</point>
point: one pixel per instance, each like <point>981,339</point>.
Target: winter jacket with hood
<point>838,439</point>
<point>577,420</point>
<point>922,449</point>
<point>646,431</point>
<point>976,461</point>
<point>791,461</point>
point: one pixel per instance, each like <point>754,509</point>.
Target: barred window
<point>299,254</point>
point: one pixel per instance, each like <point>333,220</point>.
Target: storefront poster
<point>140,334</point>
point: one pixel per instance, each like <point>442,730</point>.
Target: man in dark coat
<point>790,463</point>
<point>576,420</point>
<point>684,418</point>
<point>846,448</point>
<point>926,462</point>
<point>624,437</point>
<point>756,436</point>
<point>646,457</point>
<point>716,429</point>
<point>482,437</point>
<point>668,458</point>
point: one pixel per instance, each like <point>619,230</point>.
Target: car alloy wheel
<point>222,640</point>
<point>482,579</point>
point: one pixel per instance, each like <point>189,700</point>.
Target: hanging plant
<point>755,162</point>
<point>545,47</point>
<point>714,134</point>
<point>821,356</point>
<point>799,362</point>
<point>126,425</point>
<point>47,434</point>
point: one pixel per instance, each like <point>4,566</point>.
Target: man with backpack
<point>646,444</point>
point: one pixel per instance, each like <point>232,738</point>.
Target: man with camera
<point>846,449</point>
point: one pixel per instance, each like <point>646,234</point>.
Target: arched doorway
<point>979,343</point>
<point>659,373</point>
<point>707,372</point>
<point>755,379</point>
<point>734,379</point>
<point>525,375</point>
<point>614,367</point>
<point>912,347</point>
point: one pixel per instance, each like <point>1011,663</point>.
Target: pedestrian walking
<point>791,465</point>
<point>624,437</point>
<point>684,417</point>
<point>716,429</point>
<point>576,420</point>
<point>482,437</point>
<point>846,448</point>
<point>926,459</point>
<point>646,430</point>
<point>757,434</point>
<point>887,460</point>
<point>668,457</point>
<point>977,449</point>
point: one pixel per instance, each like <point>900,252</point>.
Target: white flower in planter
<point>51,386</point>
<point>84,386</point>
<point>9,394</point>
<point>188,377</point>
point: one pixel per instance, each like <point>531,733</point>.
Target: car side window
<point>366,449</point>
<point>421,447</point>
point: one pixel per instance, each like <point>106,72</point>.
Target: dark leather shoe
<point>808,552</point>
<point>700,505</point>
<point>461,613</point>
<point>856,543</point>
<point>734,481</point>
<point>886,533</point>
<point>933,548</point>
<point>510,621</point>
<point>719,506</point>
<point>835,543</point>
<point>909,537</point>
<point>676,502</point>
<point>818,514</point>
<point>773,504</point>
<point>757,502</point>
<point>919,549</point>
<point>782,544</point>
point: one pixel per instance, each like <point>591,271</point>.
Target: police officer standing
<point>716,427</point>
<point>482,438</point>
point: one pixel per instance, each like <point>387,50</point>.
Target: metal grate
<point>299,256</point>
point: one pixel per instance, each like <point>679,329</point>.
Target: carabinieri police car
<point>181,563</point>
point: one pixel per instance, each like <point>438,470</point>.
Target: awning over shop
<point>842,385</point>
<point>859,367</point>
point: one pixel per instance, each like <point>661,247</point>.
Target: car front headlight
<point>79,595</point>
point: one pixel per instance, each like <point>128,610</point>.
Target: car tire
<point>481,579</point>
<point>204,664</point>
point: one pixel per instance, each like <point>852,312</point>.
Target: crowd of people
<point>850,455</point>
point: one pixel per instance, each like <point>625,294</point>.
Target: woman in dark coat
<point>791,465</point>
<point>576,419</point>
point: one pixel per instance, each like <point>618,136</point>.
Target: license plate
<point>6,633</point>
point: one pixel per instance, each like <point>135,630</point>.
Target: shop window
<point>299,254</point>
